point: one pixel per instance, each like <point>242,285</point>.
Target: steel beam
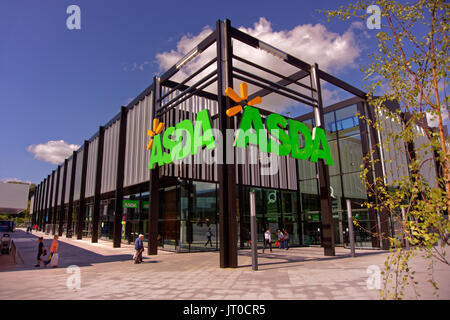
<point>55,202</point>
<point>153,211</point>
<point>324,177</point>
<point>98,184</point>
<point>63,196</point>
<point>69,230</point>
<point>82,212</point>
<point>117,233</point>
<point>226,172</point>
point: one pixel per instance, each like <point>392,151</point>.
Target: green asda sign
<point>196,135</point>
<point>276,135</point>
<point>134,204</point>
<point>130,204</point>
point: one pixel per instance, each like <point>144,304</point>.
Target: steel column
<point>50,203</point>
<point>98,184</point>
<point>324,177</point>
<point>153,211</point>
<point>117,234</point>
<point>82,213</point>
<point>69,230</point>
<point>226,172</point>
<point>36,194</point>
<point>55,202</point>
<point>41,201</point>
<point>63,195</point>
<point>44,217</point>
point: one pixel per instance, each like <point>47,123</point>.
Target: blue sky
<point>60,84</point>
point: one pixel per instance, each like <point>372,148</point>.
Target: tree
<point>411,68</point>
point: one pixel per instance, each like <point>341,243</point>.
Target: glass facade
<point>106,219</point>
<point>275,209</point>
<point>344,137</point>
<point>135,217</point>
<point>188,218</point>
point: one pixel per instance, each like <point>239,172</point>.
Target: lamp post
<point>253,231</point>
<point>351,234</point>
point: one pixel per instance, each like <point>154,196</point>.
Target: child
<point>41,251</point>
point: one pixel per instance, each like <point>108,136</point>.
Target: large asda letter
<point>251,119</point>
<point>184,131</point>
<point>203,125</point>
<point>276,124</point>
<point>156,155</point>
<point>319,138</point>
<point>296,127</point>
<point>169,144</point>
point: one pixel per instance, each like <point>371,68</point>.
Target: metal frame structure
<point>165,99</point>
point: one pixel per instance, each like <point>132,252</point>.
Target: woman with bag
<point>286,239</point>
<point>280,239</point>
<point>53,258</point>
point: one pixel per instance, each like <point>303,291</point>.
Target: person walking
<point>139,247</point>
<point>41,251</point>
<point>209,234</point>
<point>286,239</point>
<point>267,240</point>
<point>53,257</point>
<point>280,239</point>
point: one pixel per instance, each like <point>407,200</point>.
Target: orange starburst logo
<point>157,129</point>
<point>242,100</point>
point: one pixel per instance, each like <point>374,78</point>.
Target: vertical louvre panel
<point>60,184</point>
<point>79,167</point>
<point>54,188</point>
<point>111,145</point>
<point>394,154</point>
<point>49,191</point>
<point>68,180</point>
<point>91,168</point>
<point>136,155</point>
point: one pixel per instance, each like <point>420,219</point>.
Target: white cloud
<point>330,97</point>
<point>135,66</point>
<point>52,151</point>
<point>433,121</point>
<point>310,43</point>
<point>6,180</point>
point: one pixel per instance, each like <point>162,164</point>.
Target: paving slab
<point>109,273</point>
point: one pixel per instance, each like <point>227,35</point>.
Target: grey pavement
<point>109,273</point>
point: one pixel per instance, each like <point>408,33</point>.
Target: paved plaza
<point>109,273</point>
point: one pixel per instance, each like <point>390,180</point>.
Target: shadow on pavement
<point>288,258</point>
<point>27,245</point>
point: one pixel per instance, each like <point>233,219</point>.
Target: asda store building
<point>181,158</point>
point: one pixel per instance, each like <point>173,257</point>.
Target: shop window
<point>351,153</point>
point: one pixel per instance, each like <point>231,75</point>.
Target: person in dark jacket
<point>41,251</point>
<point>209,234</point>
<point>139,247</point>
